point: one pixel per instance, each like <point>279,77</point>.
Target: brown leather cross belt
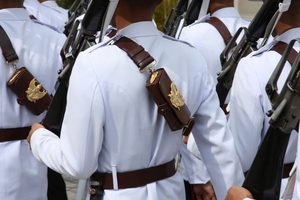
<point>12,134</point>
<point>280,48</point>
<point>222,29</point>
<point>136,178</point>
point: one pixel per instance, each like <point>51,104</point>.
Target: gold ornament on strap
<point>34,92</point>
<point>175,97</point>
<point>154,74</point>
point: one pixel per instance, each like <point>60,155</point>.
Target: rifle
<point>78,8</point>
<point>264,177</point>
<point>248,44</point>
<point>192,14</point>
<point>172,23</point>
<point>94,20</point>
<point>196,10</point>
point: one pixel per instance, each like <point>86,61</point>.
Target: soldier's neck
<point>214,6</point>
<point>283,26</point>
<point>123,22</point>
<point>125,17</point>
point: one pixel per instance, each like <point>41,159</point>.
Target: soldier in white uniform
<point>37,46</point>
<point>207,39</point>
<point>210,42</point>
<point>249,102</point>
<point>45,13</point>
<point>111,122</point>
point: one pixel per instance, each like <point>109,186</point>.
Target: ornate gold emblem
<point>33,92</point>
<point>175,97</point>
<point>153,76</point>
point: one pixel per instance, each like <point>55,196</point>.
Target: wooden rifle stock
<point>264,177</point>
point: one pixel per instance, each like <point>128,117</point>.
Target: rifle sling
<point>222,29</point>
<point>280,48</point>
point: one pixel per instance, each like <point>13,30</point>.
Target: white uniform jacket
<point>192,168</point>
<point>207,39</point>
<point>111,122</point>
<point>38,47</point>
<point>52,4</point>
<point>249,102</point>
<point>296,191</point>
<point>46,14</point>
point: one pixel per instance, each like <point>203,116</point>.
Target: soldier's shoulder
<point>200,21</point>
<point>176,40</point>
<point>263,49</point>
<point>47,26</point>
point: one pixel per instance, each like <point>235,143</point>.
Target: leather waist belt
<point>286,170</point>
<point>11,134</point>
<point>136,178</point>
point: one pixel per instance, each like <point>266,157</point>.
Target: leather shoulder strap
<point>112,33</point>
<point>280,48</point>
<point>143,60</point>
<point>135,51</point>
<point>220,26</point>
<point>7,48</point>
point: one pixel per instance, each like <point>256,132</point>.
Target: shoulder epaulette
<point>177,40</point>
<point>201,20</point>
<point>47,25</point>
<point>267,47</point>
<point>102,44</point>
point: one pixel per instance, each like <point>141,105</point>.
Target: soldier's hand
<point>34,127</point>
<point>238,193</point>
<point>186,138</point>
<point>204,191</point>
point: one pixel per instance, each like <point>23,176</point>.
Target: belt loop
<point>115,178</point>
<point>114,172</point>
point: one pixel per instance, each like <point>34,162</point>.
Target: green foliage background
<point>160,15</point>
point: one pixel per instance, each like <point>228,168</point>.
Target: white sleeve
<point>192,147</point>
<point>193,169</point>
<point>246,120</point>
<point>82,128</point>
<point>214,140</point>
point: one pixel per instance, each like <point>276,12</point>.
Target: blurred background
<point>246,8</point>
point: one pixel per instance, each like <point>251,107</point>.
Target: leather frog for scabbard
<point>163,91</point>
